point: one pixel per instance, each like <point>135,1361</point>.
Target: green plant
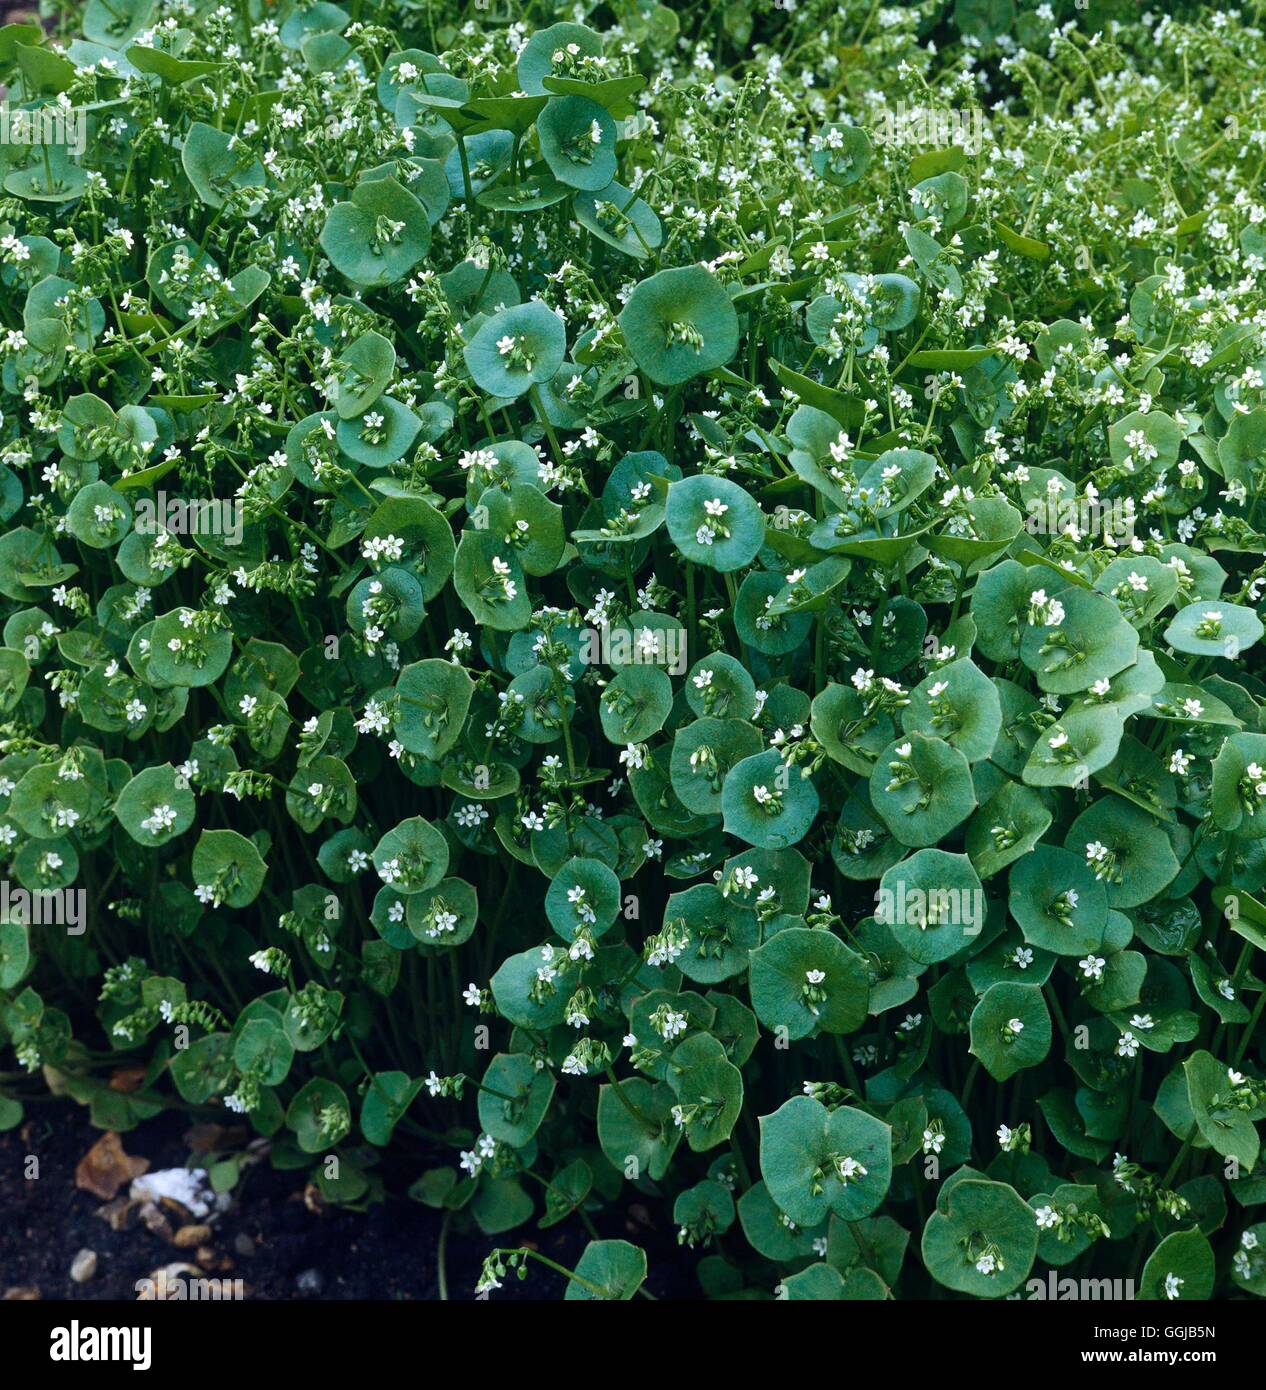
<point>596,606</point>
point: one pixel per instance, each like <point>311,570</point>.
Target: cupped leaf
<point>679,323</point>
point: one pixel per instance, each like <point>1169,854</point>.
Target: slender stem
<point>628,1104</point>
<point>441,1255</point>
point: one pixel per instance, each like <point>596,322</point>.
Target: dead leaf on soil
<point>105,1167</point>
<point>127,1079</point>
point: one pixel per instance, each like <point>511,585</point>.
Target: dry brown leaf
<point>127,1079</point>
<point>105,1167</point>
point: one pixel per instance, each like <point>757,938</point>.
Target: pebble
<point>155,1221</point>
<point>190,1236</point>
<point>163,1284</point>
<point>117,1214</point>
<point>243,1245</point>
<point>311,1281</point>
<point>84,1266</point>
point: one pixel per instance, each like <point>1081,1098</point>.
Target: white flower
<point>160,818</point>
<point>1092,967</point>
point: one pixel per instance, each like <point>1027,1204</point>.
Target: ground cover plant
<point>626,603</point>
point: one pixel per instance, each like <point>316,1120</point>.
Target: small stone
<point>176,1212</point>
<point>190,1236</point>
<point>243,1245</point>
<point>311,1281</point>
<point>206,1257</point>
<point>167,1284</point>
<point>83,1266</point>
<point>154,1221</point>
<point>117,1214</point>
<point>22,1293</point>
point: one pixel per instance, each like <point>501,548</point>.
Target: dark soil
<point>386,1252</point>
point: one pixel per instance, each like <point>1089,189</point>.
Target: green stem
<point>441,1257</point>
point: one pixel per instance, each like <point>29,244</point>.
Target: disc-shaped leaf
<point>981,1240</point>
<point>219,164</point>
<point>1214,629</point>
<point>411,857</point>
<point>515,348</point>
<point>816,1161</point>
<point>584,893</point>
<point>767,802</point>
<point>679,323</point>
<point>709,1091</point>
<point>611,1269</point>
<point>719,933</point>
<point>1180,1268</point>
<point>229,866</point>
<point>1127,848</point>
<point>156,805</point>
<point>1227,1128</point>
<point>1238,798</point>
<point>514,1115</point>
<point>378,236</point>
<point>921,788</point>
<point>1005,828</point>
<point>619,217</point>
<point>958,703</point>
<point>932,903</point>
<point>803,979</point>
<point>578,142</point>
<point>388,1096</point>
<point>523,997</point>
<point>1093,641</point>
<point>1010,1029</point>
<point>1058,902</point>
<point>841,154</point>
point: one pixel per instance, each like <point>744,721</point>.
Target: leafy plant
<point>666,606</point>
